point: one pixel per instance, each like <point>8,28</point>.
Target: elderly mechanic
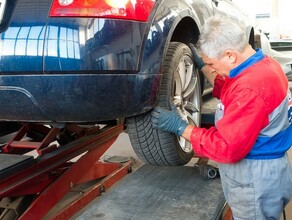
<point>253,128</point>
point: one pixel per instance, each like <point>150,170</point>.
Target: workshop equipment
<point>32,186</point>
<point>206,170</point>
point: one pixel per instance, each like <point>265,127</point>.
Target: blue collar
<point>250,61</point>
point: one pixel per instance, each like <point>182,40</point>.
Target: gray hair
<point>220,34</point>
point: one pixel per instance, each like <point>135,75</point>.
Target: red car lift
<point>44,180</point>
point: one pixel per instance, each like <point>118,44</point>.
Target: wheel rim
<point>187,96</point>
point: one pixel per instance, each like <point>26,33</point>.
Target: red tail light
<point>124,9</point>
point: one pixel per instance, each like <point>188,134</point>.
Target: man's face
<point>219,66</point>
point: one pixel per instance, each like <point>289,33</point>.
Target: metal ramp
<point>31,187</point>
<point>11,163</point>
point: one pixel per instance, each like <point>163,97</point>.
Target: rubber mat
<point>159,193</point>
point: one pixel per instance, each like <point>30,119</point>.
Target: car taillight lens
<point>124,9</point>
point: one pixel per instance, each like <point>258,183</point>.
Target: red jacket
<point>250,96</point>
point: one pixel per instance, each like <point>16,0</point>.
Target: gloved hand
<point>168,120</point>
<point>197,59</point>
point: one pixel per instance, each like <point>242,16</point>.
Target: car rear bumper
<point>78,98</point>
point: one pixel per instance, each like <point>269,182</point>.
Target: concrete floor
<point>122,147</point>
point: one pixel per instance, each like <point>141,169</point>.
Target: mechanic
<point>252,131</point>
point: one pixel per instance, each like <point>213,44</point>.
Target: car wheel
<point>181,85</point>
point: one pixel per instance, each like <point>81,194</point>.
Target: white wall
<point>272,16</point>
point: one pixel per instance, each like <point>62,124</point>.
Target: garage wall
<point>271,16</point>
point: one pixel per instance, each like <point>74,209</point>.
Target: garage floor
<point>122,147</point>
<point>159,193</point>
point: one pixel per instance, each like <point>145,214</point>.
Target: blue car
<point>96,61</point>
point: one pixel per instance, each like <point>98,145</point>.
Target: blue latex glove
<point>168,120</point>
<point>197,59</point>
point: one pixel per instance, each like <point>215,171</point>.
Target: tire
<point>180,84</point>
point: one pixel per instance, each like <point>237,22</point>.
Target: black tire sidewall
<point>155,146</point>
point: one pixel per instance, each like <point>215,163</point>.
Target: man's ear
<point>232,56</point>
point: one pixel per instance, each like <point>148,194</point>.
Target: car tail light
<point>124,9</point>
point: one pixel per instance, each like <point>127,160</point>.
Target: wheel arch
<point>183,27</point>
<point>186,31</point>
<point>178,24</point>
